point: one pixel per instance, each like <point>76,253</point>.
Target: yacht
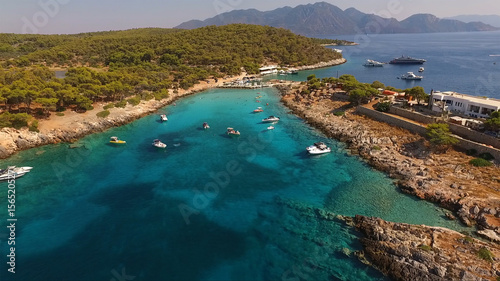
<point>411,76</point>
<point>205,125</point>
<point>271,119</point>
<point>13,172</point>
<point>232,132</point>
<point>318,148</point>
<point>373,63</point>
<point>115,140</point>
<point>163,117</point>
<point>407,60</point>
<point>159,144</point>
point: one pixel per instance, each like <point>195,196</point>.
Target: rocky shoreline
<point>323,64</point>
<point>417,252</point>
<point>14,140</point>
<point>446,179</point>
<point>472,194</point>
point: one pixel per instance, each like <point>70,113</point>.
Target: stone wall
<point>418,117</point>
<point>474,135</point>
<point>421,130</point>
<point>458,130</point>
<point>380,116</point>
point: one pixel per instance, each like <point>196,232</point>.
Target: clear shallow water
<point>459,62</point>
<point>100,212</point>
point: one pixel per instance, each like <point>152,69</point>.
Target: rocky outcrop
<point>445,179</point>
<point>410,252</point>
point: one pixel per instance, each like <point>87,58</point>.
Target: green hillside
<point>141,63</point>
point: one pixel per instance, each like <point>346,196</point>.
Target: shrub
<point>60,114</point>
<point>103,114</point>
<point>148,96</point>
<point>425,247</point>
<point>339,113</point>
<point>471,152</point>
<point>33,127</point>
<point>485,254</point>
<point>108,106</point>
<point>480,162</point>
<point>121,104</point>
<point>440,136</point>
<point>134,101</point>
<point>486,156</point>
<point>163,94</point>
<point>383,106</point>
<point>376,147</point>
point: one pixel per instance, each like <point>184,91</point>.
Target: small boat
<point>373,63</point>
<point>232,132</point>
<point>292,71</point>
<point>259,109</point>
<point>411,76</point>
<point>205,125</point>
<point>421,69</point>
<point>13,172</point>
<point>115,140</point>
<point>159,144</point>
<point>271,119</point>
<point>270,128</point>
<point>318,148</point>
<point>163,117</point>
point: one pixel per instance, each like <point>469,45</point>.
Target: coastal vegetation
<point>440,136</point>
<point>123,67</point>
<point>493,122</point>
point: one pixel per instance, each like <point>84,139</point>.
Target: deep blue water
<point>209,207</point>
<point>459,62</point>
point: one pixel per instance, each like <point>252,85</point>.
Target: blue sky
<point>74,16</point>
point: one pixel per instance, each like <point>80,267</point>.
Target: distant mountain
<point>326,19</point>
<point>493,20</point>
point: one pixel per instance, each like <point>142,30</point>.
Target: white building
<point>270,69</point>
<point>473,106</point>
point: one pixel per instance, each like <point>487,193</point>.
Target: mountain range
<point>493,20</point>
<point>326,19</point>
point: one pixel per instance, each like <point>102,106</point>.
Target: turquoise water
<point>209,207</point>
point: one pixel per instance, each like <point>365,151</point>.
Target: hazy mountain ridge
<point>326,19</point>
<point>493,20</point>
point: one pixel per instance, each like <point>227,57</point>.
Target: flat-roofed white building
<point>473,106</point>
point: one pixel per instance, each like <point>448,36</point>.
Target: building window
<point>474,108</point>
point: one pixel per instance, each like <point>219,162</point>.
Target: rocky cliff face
<point>410,252</point>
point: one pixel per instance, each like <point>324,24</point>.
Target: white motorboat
<point>318,148</point>
<point>159,144</point>
<point>205,125</point>
<point>421,69</point>
<point>270,128</point>
<point>232,132</point>
<point>13,172</point>
<point>373,63</point>
<point>271,119</point>
<point>163,117</point>
<point>411,76</point>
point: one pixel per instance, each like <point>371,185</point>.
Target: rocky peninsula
<point>471,193</point>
